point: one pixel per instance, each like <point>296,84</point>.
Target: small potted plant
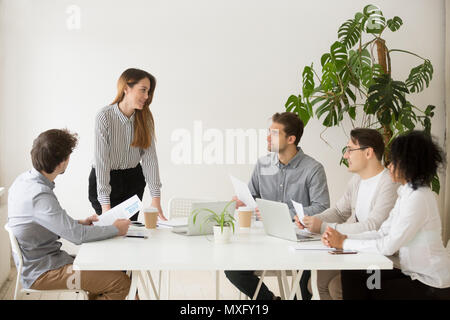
<point>223,222</point>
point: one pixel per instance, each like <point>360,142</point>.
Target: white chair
<point>180,208</point>
<point>19,290</point>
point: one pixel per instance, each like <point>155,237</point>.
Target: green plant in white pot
<point>223,221</point>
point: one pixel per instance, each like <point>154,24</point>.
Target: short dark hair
<point>369,138</point>
<point>51,148</point>
<point>293,125</point>
<point>416,157</point>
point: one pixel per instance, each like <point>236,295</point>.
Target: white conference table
<point>251,249</point>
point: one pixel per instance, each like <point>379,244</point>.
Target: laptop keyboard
<point>302,236</point>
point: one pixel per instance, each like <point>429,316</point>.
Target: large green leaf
<point>350,94</point>
<point>429,110</point>
<point>407,117</point>
<point>435,184</point>
<point>329,77</point>
<point>329,108</point>
<point>338,55</point>
<point>349,33</point>
<point>373,22</point>
<point>308,81</point>
<point>388,95</point>
<point>419,75</point>
<point>370,73</point>
<point>295,104</point>
<point>395,23</point>
<point>326,57</point>
<point>360,66</point>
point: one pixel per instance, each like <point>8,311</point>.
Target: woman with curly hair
<point>410,237</point>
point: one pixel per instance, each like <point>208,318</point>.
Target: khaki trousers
<point>100,285</point>
<point>329,284</point>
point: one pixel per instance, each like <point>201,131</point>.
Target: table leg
<point>258,287</point>
<point>149,277</point>
<point>296,285</point>
<point>133,287</point>
<point>143,281</point>
<point>285,283</point>
<point>315,290</point>
<point>217,284</point>
<point>168,284</point>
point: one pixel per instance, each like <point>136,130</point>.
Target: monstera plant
<point>355,82</point>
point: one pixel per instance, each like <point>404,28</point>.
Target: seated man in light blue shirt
<point>38,221</point>
<point>283,175</point>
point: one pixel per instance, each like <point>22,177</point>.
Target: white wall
<point>231,64</point>
<point>5,249</point>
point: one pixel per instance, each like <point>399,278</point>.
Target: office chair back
<point>181,207</point>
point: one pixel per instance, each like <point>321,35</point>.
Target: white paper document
<point>311,247</point>
<point>242,192</point>
<point>176,222</point>
<point>299,211</point>
<point>125,210</point>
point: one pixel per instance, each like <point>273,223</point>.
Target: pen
<point>143,237</point>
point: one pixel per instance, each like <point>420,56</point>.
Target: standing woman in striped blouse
<point>125,137</point>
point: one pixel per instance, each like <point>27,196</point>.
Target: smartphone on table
<point>341,251</point>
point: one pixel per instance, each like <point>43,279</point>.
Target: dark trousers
<point>247,281</point>
<point>393,285</point>
<point>124,184</point>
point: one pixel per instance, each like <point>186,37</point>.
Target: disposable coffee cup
<point>245,216</point>
<point>151,217</point>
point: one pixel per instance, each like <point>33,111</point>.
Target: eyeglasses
<point>348,149</point>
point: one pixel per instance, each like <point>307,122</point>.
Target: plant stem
<point>405,51</point>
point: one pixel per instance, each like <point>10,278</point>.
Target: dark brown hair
<point>144,125</point>
<point>369,138</point>
<point>51,148</point>
<point>293,125</point>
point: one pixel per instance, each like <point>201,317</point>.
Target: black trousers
<point>392,285</point>
<point>124,184</point>
<point>247,281</point>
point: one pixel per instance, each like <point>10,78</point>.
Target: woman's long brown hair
<point>144,125</point>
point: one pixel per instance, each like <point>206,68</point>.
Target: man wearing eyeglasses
<point>369,198</point>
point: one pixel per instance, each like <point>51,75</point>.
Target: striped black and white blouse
<point>113,151</point>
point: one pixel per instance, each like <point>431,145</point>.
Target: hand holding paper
<point>125,210</point>
<point>299,211</point>
<point>242,192</point>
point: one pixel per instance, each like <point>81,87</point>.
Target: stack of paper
<point>176,222</point>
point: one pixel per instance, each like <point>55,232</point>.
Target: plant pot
<point>222,237</point>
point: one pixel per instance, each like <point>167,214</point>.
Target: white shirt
<point>366,191</point>
<point>113,151</point>
<point>413,229</point>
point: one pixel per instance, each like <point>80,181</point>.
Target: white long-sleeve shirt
<point>413,230</point>
<point>113,136</point>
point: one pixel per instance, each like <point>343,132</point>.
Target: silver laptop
<point>200,227</point>
<point>278,223</point>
